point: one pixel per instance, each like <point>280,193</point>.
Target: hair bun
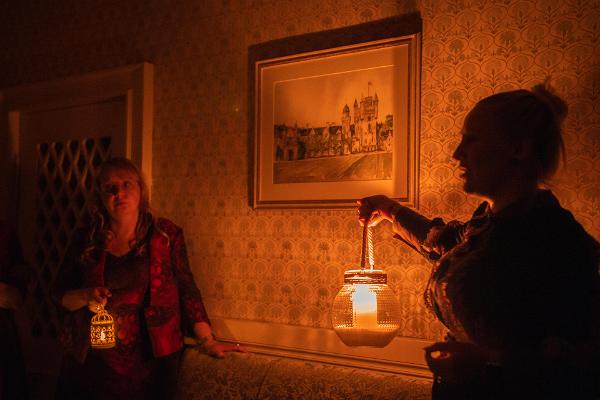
<point>546,94</point>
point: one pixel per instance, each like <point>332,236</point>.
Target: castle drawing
<point>360,131</point>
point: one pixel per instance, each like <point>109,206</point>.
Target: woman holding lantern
<point>516,285</point>
<point>136,266</point>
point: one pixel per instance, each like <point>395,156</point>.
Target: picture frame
<point>334,116</point>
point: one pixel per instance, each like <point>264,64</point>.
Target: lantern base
<point>103,346</point>
<point>365,337</point>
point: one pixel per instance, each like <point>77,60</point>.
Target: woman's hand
<point>206,339</point>
<point>218,349</point>
<point>374,209</point>
<point>456,361</point>
<point>87,297</point>
<point>97,297</point>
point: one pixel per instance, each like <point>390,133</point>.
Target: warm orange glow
<point>364,304</point>
<point>102,330</point>
<point>365,311</point>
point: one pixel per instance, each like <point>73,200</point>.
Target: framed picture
<point>335,116</point>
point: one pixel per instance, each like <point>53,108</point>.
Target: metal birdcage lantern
<point>102,330</point>
<point>366,311</point>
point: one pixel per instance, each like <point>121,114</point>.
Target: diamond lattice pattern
<point>65,174</point>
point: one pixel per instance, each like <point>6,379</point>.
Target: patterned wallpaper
<point>285,266</point>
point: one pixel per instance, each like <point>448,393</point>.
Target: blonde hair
<point>100,233</point>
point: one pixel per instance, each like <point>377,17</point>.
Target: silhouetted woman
<point>515,285</point>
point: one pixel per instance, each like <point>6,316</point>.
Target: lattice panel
<point>65,175</point>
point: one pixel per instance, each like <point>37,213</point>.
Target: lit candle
<point>364,303</point>
<point>102,336</point>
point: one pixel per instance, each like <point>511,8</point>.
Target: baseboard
<point>402,356</point>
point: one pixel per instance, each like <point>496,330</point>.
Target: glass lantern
<point>102,330</point>
<point>366,311</point>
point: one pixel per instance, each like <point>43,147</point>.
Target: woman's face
<point>121,194</point>
<point>484,155</point>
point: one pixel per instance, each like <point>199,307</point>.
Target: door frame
<point>134,82</point>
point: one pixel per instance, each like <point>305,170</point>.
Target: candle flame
<point>364,304</point>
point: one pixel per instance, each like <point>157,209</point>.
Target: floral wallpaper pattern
<point>285,266</point>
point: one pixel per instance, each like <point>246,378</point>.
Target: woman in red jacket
<point>135,265</point>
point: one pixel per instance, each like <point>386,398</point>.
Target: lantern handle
<point>367,248</point>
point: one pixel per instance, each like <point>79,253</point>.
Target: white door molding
<point>134,82</point>
<point>53,137</point>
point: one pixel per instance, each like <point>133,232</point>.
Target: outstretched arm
<point>409,226</point>
<point>193,308</point>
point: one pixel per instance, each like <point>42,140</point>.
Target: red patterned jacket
<point>173,295</point>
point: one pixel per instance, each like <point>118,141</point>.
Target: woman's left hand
<point>206,339</point>
<point>218,349</point>
<point>456,361</point>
